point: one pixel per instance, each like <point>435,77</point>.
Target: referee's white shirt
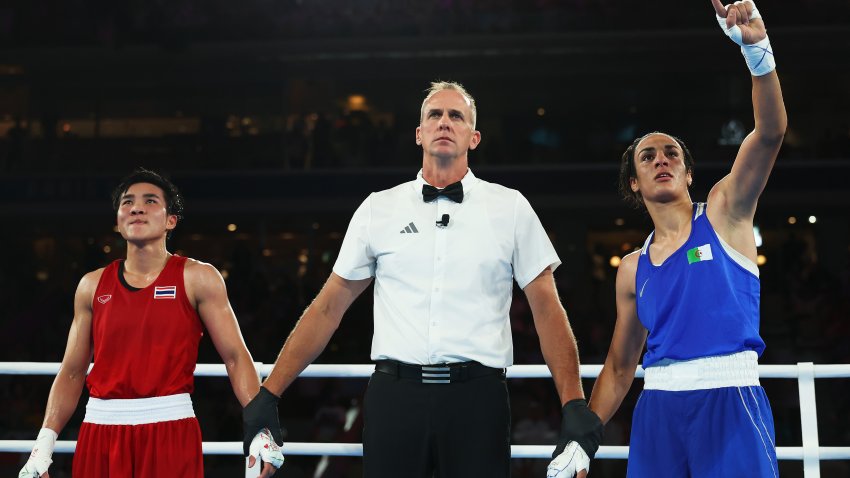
<point>442,294</point>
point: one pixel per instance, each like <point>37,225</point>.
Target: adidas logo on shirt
<point>410,229</point>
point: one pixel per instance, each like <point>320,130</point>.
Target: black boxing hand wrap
<point>261,412</point>
<point>581,425</point>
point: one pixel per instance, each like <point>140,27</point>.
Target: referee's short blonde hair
<point>438,86</point>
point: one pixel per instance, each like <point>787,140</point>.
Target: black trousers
<point>434,430</point>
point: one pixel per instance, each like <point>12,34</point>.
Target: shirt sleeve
<point>356,259</point>
<point>533,251</point>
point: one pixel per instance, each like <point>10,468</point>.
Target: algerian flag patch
<point>699,254</point>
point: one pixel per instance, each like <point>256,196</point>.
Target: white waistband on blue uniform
<point>735,370</point>
<point>139,411</point>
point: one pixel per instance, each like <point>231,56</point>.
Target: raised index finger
<point>719,8</point>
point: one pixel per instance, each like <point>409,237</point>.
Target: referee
<point>444,250</point>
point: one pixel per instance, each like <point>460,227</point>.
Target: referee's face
<point>446,128</point>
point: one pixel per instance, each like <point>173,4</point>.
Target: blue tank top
<point>701,301</point>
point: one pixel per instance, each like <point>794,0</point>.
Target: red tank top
<point>145,340</point>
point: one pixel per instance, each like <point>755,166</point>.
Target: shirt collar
<point>469,180</point>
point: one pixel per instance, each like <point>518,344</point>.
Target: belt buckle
<point>436,374</point>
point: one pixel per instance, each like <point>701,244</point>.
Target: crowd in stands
<point>178,23</point>
<point>359,140</point>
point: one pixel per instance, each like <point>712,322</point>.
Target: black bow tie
<point>453,191</point>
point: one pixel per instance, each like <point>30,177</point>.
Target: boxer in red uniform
<point>142,319</point>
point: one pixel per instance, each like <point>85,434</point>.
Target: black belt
<point>437,373</point>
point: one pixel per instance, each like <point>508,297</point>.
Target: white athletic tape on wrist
<point>754,15</point>
<point>759,56</point>
<point>41,456</point>
<point>264,448</point>
<point>571,461</point>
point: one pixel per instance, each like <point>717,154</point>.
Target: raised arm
<point>735,197</point>
<point>618,372</point>
<point>206,289</point>
<point>68,384</point>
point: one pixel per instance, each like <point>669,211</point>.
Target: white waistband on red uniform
<point>735,370</point>
<point>139,411</point>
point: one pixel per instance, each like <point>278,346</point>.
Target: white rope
<point>810,453</point>
<point>365,370</point>
<point>356,449</point>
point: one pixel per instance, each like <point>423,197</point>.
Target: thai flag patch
<point>165,292</point>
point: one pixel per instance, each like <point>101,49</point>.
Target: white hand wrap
<point>759,56</point>
<point>265,449</point>
<point>571,461</point>
<point>41,456</point>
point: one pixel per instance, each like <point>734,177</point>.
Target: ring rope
<point>810,453</point>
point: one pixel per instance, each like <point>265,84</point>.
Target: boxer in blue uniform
<point>691,294</point>
<point>702,411</point>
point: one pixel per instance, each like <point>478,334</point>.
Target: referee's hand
<point>579,424</point>
<point>262,436</point>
